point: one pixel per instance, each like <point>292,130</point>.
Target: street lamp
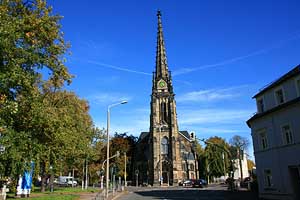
<point>107,150</point>
<point>125,170</point>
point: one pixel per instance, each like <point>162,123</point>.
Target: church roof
<point>143,135</point>
<point>161,58</point>
<point>185,134</point>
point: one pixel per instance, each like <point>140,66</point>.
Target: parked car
<point>180,183</point>
<point>195,183</point>
<point>188,183</point>
<point>199,183</point>
<point>66,181</point>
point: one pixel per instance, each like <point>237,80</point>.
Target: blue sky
<point>220,54</point>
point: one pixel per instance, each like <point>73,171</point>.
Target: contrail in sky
<point>125,69</point>
<point>232,60</point>
<point>186,70</point>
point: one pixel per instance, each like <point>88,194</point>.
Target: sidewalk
<point>101,195</point>
<point>88,196</point>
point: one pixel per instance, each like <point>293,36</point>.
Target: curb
<point>118,195</point>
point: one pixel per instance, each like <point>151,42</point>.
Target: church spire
<point>161,58</point>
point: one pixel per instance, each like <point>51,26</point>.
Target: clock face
<point>162,84</point>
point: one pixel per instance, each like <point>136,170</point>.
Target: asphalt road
<point>213,192</point>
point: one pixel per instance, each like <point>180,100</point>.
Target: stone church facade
<point>164,155</point>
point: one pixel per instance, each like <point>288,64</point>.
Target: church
<point>164,155</point>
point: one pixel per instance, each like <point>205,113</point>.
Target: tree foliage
<point>216,157</point>
<point>125,144</point>
<point>30,40</point>
<point>250,164</point>
<point>39,121</point>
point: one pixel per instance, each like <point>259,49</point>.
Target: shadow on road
<point>198,194</point>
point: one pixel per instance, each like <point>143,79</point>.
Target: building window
<point>182,147</point>
<point>192,167</point>
<point>298,86</point>
<point>164,145</point>
<point>260,105</point>
<point>192,175</point>
<point>263,139</point>
<point>184,175</point>
<point>287,134</point>
<point>268,178</point>
<point>279,96</point>
<point>175,176</point>
<point>183,166</point>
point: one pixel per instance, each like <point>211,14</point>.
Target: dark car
<point>199,183</point>
<point>180,183</point>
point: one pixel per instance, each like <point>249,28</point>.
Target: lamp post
<point>125,174</point>
<point>223,156</point>
<point>107,150</point>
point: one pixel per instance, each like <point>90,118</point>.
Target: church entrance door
<point>165,172</point>
<point>165,177</point>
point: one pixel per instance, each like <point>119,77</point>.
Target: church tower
<point>164,148</point>
<point>164,155</point>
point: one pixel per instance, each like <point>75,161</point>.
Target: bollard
<point>101,184</point>
<point>3,192</point>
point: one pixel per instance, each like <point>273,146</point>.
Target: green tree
<point>124,144</point>
<point>97,154</point>
<point>31,41</point>
<point>216,157</point>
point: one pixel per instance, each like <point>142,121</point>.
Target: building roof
<point>185,134</point>
<point>284,105</point>
<point>275,83</point>
<point>143,135</point>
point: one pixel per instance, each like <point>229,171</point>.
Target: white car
<point>67,181</point>
<point>72,183</point>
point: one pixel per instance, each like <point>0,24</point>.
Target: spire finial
<point>158,13</point>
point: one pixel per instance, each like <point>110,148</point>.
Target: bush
<point>13,186</point>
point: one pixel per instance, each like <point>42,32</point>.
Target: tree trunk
<point>240,163</point>
<point>43,176</point>
<point>51,182</point>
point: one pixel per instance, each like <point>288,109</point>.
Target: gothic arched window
<point>163,112</point>
<point>164,145</point>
